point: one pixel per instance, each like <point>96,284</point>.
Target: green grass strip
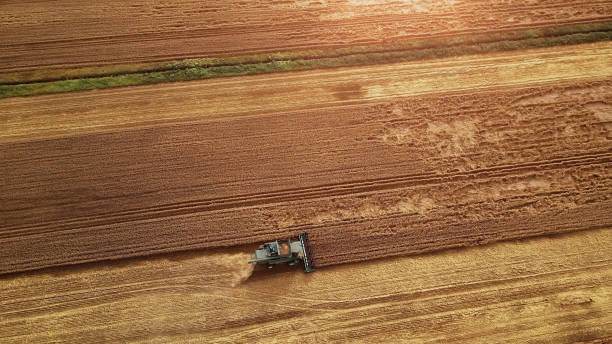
<point>195,69</point>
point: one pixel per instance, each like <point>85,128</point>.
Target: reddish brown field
<point>406,170</point>
<point>45,34</point>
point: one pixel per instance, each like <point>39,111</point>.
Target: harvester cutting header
<point>285,251</point>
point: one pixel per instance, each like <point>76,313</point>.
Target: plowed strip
<point>44,34</point>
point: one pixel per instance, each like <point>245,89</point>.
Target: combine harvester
<point>285,251</point>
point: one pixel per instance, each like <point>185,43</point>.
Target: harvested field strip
<point>557,289</point>
<point>43,116</point>
<point>13,85</point>
<point>406,175</point>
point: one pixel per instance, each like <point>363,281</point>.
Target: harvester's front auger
<point>306,252</point>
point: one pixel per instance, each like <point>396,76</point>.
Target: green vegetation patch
<point>52,81</point>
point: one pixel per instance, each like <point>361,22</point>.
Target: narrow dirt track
<point>45,34</point>
<point>372,161</point>
<point>550,290</point>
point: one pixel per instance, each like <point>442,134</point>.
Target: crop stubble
<point>555,289</point>
<point>372,161</point>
